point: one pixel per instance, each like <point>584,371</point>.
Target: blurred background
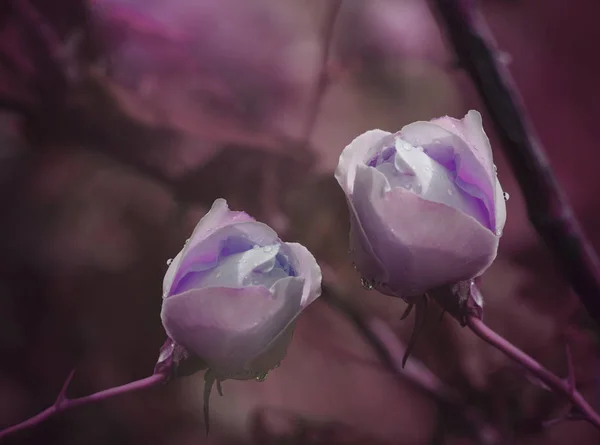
<point>122,120</point>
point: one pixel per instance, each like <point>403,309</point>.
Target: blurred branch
<point>584,411</point>
<point>547,205</point>
<point>390,350</point>
<point>63,403</point>
<point>333,9</point>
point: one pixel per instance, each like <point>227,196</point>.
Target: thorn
<point>219,388</point>
<point>62,395</point>
<point>407,311</point>
<point>209,380</point>
<point>420,315</point>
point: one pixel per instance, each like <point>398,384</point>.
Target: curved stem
<point>63,403</point>
<point>552,381</point>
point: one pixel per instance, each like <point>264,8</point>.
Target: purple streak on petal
<point>204,253</point>
<point>450,150</point>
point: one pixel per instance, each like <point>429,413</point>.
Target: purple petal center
<point>211,260</point>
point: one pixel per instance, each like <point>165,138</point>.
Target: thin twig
<point>554,382</point>
<point>63,403</point>
<point>333,10</point>
<point>547,205</point>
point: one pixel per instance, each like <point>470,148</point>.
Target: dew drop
<point>261,377</point>
<point>256,246</point>
<point>407,147</point>
<point>267,249</point>
<point>499,232</point>
<point>506,196</point>
<point>495,168</point>
<point>169,261</point>
<point>419,148</point>
<point>450,192</point>
<point>366,283</point>
<point>186,242</point>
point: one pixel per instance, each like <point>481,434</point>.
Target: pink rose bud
<point>426,207</point>
<point>231,296</point>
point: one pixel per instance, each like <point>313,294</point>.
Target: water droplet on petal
<point>420,148</point>
<point>499,232</point>
<point>169,261</point>
<point>186,241</point>
<point>261,377</point>
<point>450,192</point>
<point>256,246</point>
<point>366,283</point>
<point>267,249</point>
<point>506,196</point>
<point>407,147</point>
<point>495,168</point>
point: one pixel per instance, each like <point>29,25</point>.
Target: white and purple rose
<point>426,207</point>
<point>231,296</point>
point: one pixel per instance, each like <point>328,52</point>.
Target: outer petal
<point>425,244</point>
<point>363,254</point>
<point>229,327</point>
<point>452,143</point>
<point>170,274</point>
<point>354,154</point>
<point>305,265</point>
<point>500,209</point>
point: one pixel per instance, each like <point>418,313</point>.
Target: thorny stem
<point>63,403</point>
<point>552,381</point>
<point>547,205</point>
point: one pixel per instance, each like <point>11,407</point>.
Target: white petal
<point>354,154</point>
<point>305,265</point>
<point>170,274</point>
<point>228,327</point>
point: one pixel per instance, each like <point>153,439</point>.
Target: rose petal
<point>442,140</point>
<point>306,267</point>
<point>254,267</point>
<point>500,208</point>
<point>424,244</point>
<point>217,217</point>
<point>354,154</point>
<point>205,253</point>
<point>229,327</point>
<point>170,274</point>
<point>414,170</point>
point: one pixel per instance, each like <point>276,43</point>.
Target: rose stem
<point>63,403</point>
<point>415,372</point>
<point>552,381</point>
<point>547,205</point>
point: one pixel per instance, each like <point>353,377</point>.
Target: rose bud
<point>232,295</point>
<point>425,204</point>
